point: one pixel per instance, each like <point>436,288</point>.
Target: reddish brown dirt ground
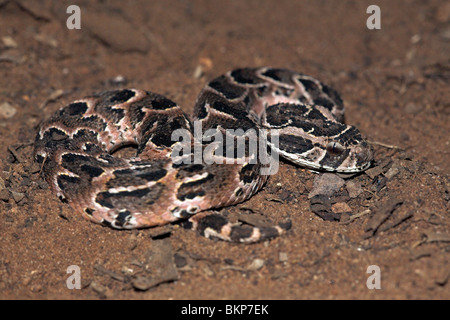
<point>395,84</point>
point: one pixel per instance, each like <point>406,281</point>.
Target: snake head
<point>344,151</point>
<point>312,137</point>
<point>347,152</point>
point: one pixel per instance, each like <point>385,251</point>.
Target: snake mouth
<point>356,169</point>
<point>348,164</point>
<point>355,163</point>
<point>349,170</point>
<point>362,162</point>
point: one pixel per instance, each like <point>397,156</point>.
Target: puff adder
<point>76,146</point>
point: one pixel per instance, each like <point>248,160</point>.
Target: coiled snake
<point>166,181</point>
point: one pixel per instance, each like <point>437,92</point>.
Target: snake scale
<point>165,182</point>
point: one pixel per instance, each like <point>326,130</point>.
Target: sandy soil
<point>395,84</point>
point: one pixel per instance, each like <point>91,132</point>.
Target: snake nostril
<point>364,156</point>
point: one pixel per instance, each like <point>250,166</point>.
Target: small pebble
<point>393,171</point>
<point>412,108</point>
<point>4,195</point>
<point>374,172</point>
<point>118,81</point>
<point>9,42</point>
<point>46,39</point>
<point>207,270</point>
<point>17,196</point>
<point>198,72</point>
<point>179,260</point>
<point>7,110</point>
<point>326,184</point>
<point>283,257</point>
<point>404,136</point>
<point>256,264</point>
<point>415,38</point>
<point>354,189</point>
<point>341,207</point>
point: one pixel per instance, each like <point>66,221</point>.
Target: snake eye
<point>334,148</point>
